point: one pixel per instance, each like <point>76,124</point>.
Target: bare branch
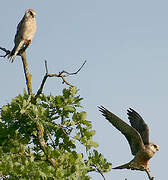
<point>26,72</point>
<point>42,85</point>
<point>46,66</point>
<point>62,75</point>
<point>99,172</point>
<point>68,74</point>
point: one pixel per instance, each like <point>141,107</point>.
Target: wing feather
<point>17,40</point>
<point>19,30</point>
<point>131,134</point>
<point>139,124</point>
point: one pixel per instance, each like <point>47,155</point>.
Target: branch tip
<point>69,74</point>
<point>46,66</point>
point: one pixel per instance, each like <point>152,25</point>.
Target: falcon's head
<point>154,147</point>
<point>30,13</point>
<point>151,149</point>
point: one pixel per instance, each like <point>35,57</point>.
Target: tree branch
<point>62,75</point>
<point>68,74</point>
<point>26,72</point>
<point>98,171</point>
<point>28,76</point>
<point>43,143</point>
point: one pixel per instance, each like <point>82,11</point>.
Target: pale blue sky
<point>125,44</point>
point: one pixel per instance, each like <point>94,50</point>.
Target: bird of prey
<point>25,33</point>
<point>137,135</point>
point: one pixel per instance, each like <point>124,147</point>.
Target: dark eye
<point>31,13</point>
<point>155,146</point>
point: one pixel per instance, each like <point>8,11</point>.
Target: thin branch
<point>68,74</point>
<point>42,85</point>
<point>99,172</point>
<point>62,75</point>
<point>46,67</point>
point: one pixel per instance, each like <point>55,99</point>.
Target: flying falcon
<point>137,136</point>
<point>25,33</point>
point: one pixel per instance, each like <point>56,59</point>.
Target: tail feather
<point>130,166</point>
<point>124,166</point>
<point>15,51</point>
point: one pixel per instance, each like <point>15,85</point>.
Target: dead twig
<point>69,74</point>
<point>61,74</point>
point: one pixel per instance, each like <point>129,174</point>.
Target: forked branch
<point>61,75</point>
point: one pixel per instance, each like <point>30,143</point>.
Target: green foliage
<point>47,138</point>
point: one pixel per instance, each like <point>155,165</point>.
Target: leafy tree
<point>47,137</point>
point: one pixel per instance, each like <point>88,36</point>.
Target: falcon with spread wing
<point>25,33</point>
<point>137,136</point>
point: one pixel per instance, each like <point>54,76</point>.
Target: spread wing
<point>132,135</point>
<point>139,124</point>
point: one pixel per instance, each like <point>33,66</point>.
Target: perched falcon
<point>25,33</point>
<point>137,136</point>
